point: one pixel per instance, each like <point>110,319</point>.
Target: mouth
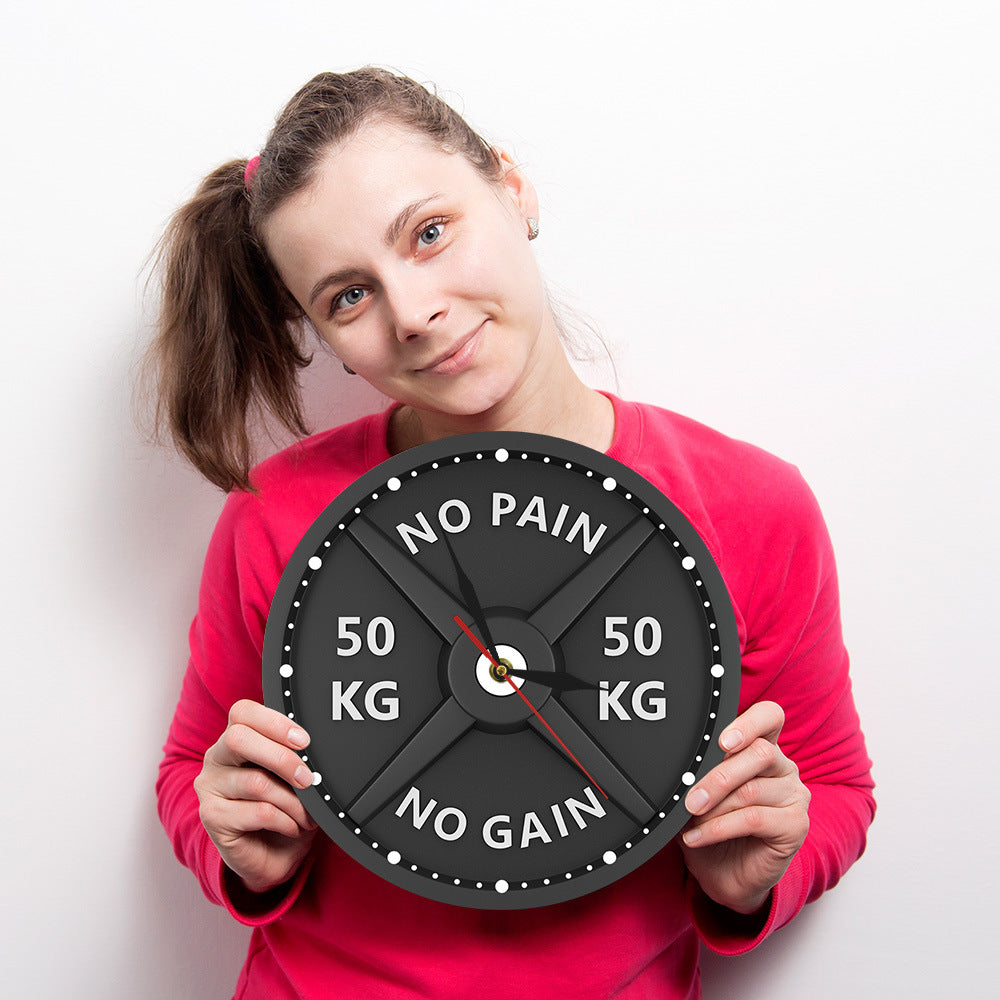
<point>457,358</point>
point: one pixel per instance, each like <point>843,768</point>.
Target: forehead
<point>360,185</point>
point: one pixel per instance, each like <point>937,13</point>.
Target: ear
<point>519,188</point>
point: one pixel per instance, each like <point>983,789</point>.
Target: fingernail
<point>692,836</point>
<point>731,739</point>
<point>298,737</point>
<point>303,775</point>
<point>697,800</point>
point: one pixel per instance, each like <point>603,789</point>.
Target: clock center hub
<point>494,681</point>
<point>489,693</point>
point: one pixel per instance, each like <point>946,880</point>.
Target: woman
<point>377,217</point>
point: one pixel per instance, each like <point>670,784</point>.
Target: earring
<point>532,229</point>
<point>350,371</point>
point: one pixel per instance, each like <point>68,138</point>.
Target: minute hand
<point>468,592</point>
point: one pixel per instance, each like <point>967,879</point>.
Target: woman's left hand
<point>749,814</point>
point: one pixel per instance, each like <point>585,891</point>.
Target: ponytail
<point>226,348</point>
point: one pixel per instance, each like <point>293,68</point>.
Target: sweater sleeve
<point>224,666</point>
<point>794,654</point>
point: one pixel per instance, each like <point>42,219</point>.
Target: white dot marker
<point>688,778</point>
<point>609,484</point>
<point>610,857</point>
<point>317,777</point>
<point>394,857</point>
<point>501,454</point>
<point>502,885</point>
<point>718,669</point>
<point>286,670</point>
<point>394,483</point>
<point>315,562</point>
<point>688,562</point>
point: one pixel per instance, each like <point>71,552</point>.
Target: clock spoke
<point>570,600</point>
<point>445,726</point>
<point>435,604</point>
<point>592,757</point>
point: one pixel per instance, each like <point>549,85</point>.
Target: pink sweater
<point>339,931</point>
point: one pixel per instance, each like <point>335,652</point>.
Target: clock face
<point>513,655</point>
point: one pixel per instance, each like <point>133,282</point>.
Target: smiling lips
<point>459,359</point>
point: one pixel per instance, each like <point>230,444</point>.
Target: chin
<point>463,397</point>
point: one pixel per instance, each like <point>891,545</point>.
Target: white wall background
<point>785,214</point>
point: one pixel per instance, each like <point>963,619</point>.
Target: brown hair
<point>228,343</point>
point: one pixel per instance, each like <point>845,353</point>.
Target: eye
<point>347,298</point>
<point>430,234</point>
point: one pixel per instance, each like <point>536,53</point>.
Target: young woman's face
<point>416,270</point>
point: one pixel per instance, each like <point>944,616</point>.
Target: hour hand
<point>557,680</point>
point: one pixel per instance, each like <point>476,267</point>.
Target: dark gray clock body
<point>563,768</point>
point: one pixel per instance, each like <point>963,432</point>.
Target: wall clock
<point>513,655</point>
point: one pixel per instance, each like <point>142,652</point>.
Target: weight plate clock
<point>513,655</point>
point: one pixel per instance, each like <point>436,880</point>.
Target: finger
<point>269,723</point>
<point>782,828</point>
<point>761,720</point>
<point>257,785</point>
<point>779,792</point>
<point>230,819</point>
<point>241,745</point>
<point>761,759</point>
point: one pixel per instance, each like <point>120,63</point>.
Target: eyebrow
<point>335,278</point>
<point>397,225</point>
<point>391,235</point>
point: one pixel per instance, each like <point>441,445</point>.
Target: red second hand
<point>569,752</point>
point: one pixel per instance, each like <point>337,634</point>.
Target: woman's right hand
<point>247,804</point>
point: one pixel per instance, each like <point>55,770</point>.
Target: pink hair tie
<point>252,165</point>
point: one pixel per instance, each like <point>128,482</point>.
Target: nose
<point>417,302</point>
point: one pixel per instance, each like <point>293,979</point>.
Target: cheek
<point>504,272</point>
<point>359,345</point>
